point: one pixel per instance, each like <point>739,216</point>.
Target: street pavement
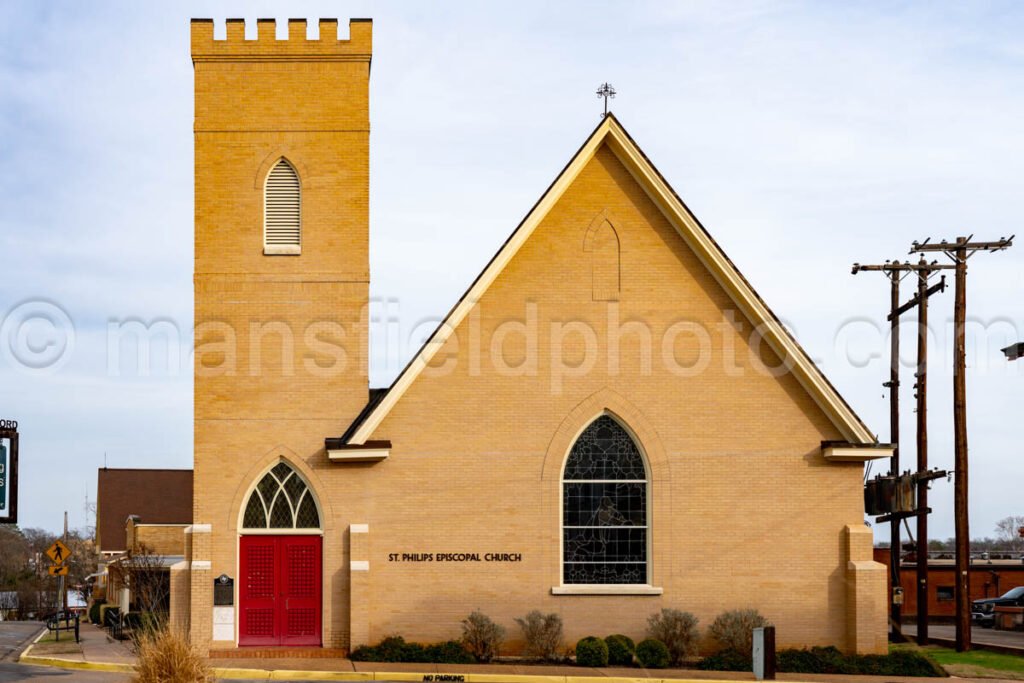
<point>15,636</point>
<point>982,636</point>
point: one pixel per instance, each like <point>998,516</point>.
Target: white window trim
<point>607,588</point>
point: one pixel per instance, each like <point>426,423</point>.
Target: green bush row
<point>619,650</point>
<point>395,649</point>
<point>672,638</point>
<point>829,660</point>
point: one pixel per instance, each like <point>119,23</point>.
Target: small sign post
<point>58,552</point>
<point>764,653</point>
<point>4,488</point>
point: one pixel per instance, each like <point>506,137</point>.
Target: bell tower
<point>281,262</point>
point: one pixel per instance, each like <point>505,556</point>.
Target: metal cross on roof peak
<point>606,91</point>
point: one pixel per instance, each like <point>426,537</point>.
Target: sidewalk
<point>99,652</point>
<point>95,651</point>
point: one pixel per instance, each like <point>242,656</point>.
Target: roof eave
<point>693,233</point>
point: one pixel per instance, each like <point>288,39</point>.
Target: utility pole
<point>895,271</point>
<point>959,251</point>
<point>63,579</point>
<point>924,271</point>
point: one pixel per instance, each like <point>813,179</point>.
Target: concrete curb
<point>110,667</point>
<point>415,677</point>
<point>403,676</point>
<point>26,657</point>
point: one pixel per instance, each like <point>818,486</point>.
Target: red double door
<point>280,590</point>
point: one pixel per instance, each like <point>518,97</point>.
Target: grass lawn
<point>978,663</point>
<point>48,645</point>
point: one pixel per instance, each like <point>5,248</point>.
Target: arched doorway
<point>279,564</point>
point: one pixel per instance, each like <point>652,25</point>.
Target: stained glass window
<point>604,508</point>
<point>281,500</point>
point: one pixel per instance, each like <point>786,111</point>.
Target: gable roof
<point>611,132</point>
<point>156,496</point>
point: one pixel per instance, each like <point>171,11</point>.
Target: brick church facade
<point>609,422</point>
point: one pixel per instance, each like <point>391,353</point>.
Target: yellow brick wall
<point>161,539</point>
<point>255,101</point>
<point>744,510</point>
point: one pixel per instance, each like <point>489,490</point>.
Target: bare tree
<point>1008,532</point>
<point>143,572</point>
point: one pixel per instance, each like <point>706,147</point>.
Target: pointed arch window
<point>282,210</point>
<point>604,508</point>
<point>281,500</point>
<point>604,247</point>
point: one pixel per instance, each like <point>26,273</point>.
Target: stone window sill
<point>282,250</point>
<point>607,590</point>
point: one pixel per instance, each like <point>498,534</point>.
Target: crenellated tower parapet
<point>267,46</point>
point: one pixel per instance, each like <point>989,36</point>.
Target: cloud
<point>805,136</point>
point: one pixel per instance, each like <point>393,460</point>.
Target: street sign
<point>8,471</point>
<point>3,477</point>
<point>59,570</point>
<point>58,552</point>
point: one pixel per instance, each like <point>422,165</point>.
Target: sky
<point>805,136</point>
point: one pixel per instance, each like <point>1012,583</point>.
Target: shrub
<point>391,649</point>
<point>481,636</point>
<point>109,614</point>
<point>166,656</point>
<point>727,660</point>
<point>94,611</point>
<point>395,649</point>
<point>652,654</point>
<point>620,650</point>
<point>734,630</point>
<point>542,633</point>
<point>591,651</point>
<point>448,652</point>
<point>677,630</point>
<point>829,660</point>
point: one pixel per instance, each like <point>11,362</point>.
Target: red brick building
<point>988,579</point>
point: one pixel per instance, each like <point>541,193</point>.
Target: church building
<point>609,422</point>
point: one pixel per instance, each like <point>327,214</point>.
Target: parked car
<point>983,611</point>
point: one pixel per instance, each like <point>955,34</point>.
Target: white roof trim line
<point>806,372</point>
<point>357,454</point>
<point>475,292</point>
<point>857,454</point>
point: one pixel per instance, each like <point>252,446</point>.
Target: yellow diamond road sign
<point>58,552</point>
<point>59,570</point>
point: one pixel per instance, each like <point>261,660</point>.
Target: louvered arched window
<point>282,210</point>
<point>604,508</point>
<point>281,500</point>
